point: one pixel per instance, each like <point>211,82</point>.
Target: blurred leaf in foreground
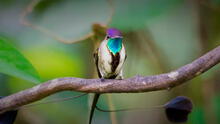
<point>13,63</point>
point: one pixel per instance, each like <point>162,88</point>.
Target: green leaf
<point>13,63</point>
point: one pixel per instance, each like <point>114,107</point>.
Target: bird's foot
<point>119,78</point>
<point>102,79</point>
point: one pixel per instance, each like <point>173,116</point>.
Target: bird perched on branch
<point>109,59</point>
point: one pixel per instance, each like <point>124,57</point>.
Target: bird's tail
<point>94,102</point>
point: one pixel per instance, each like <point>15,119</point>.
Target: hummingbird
<point>109,59</point>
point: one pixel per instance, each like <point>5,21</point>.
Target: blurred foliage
<point>45,4</point>
<point>159,36</point>
<point>13,63</point>
<point>198,116</point>
<point>47,62</point>
<point>132,15</point>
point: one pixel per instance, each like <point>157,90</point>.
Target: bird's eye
<point>107,37</point>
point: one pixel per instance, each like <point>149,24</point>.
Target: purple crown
<point>112,32</point>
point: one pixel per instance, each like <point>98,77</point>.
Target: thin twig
<point>112,11</point>
<point>111,106</point>
<point>45,31</point>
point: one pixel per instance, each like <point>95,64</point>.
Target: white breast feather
<point>105,57</point>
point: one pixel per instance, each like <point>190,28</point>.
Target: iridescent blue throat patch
<point>114,45</point>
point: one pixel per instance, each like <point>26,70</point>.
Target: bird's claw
<point>102,79</point>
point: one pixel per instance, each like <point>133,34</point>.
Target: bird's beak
<point>117,37</point>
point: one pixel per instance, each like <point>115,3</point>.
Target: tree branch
<point>131,85</point>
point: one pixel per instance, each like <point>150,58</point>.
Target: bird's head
<point>113,33</point>
<point>114,40</point>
